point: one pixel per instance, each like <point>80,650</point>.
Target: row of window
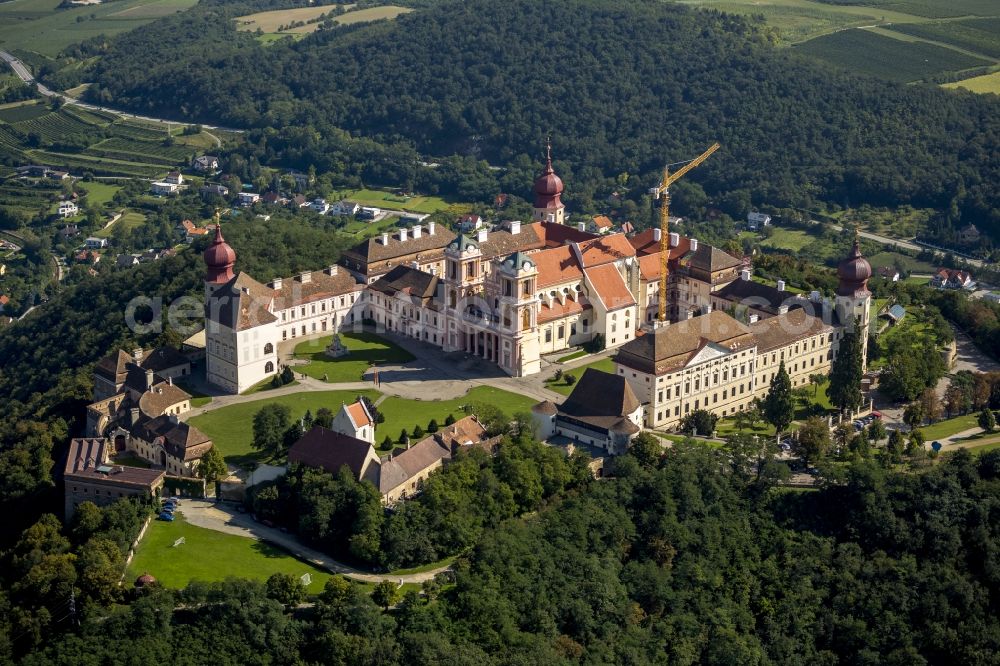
<point>289,314</point>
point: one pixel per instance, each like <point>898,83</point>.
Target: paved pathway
<point>433,375</point>
<point>221,518</point>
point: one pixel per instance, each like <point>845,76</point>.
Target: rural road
<point>25,75</point>
<point>905,244</point>
<point>221,518</point>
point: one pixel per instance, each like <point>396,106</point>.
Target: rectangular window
<point>548,335</point>
<point>562,331</point>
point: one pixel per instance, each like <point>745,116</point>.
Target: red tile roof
<point>557,265</point>
<point>605,249</point>
<point>649,266</point>
<point>560,310</point>
<point>610,286</point>
<point>644,243</point>
<point>555,235</point>
<point>358,414</point>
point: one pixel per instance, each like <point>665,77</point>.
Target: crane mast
<point>663,190</point>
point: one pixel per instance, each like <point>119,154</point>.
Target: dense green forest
<point>681,559</point>
<point>622,87</point>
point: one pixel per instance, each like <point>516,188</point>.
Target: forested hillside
<point>622,87</point>
<point>683,560</point>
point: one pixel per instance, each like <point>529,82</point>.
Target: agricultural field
<point>988,83</point>
<point>127,222</point>
<point>907,263</point>
<point>80,140</point>
<point>800,20</point>
<point>979,36</point>
<point>788,239</point>
<point>27,198</point>
<point>275,24</point>
<point>869,53</point>
<point>40,26</point>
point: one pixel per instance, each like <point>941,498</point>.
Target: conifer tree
<point>845,375</point>
<point>779,406</point>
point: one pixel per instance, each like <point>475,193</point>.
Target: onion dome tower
<point>853,298</point>
<point>547,189</point>
<point>219,259</point>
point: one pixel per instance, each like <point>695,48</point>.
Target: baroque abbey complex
<point>513,293</point>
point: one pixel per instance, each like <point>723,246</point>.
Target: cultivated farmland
<point>287,21</point>
<point>869,53</point>
<point>81,140</point>
<point>41,26</point>
<point>980,36</point>
<point>988,83</point>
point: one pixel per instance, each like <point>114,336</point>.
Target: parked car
<point>166,516</point>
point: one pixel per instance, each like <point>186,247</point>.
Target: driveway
<point>222,518</point>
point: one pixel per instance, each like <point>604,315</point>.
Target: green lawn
<point>402,413</point>
<point>569,357</point>
<point>949,427</point>
<point>366,349</point>
<point>985,448</point>
<point>910,264</point>
<point>100,194</point>
<point>604,364</point>
<point>231,427</point>
<point>389,201</point>
<point>200,556</point>
<point>128,222</point>
<point>131,460</point>
<point>788,239</point>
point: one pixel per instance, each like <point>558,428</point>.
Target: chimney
<point>385,239</point>
<point>708,309</point>
<point>416,231</point>
<point>174,419</point>
<point>430,228</point>
<point>781,285</point>
<point>331,270</point>
<point>415,265</point>
<point>745,274</point>
<point>133,416</point>
<point>814,296</point>
<point>137,354</point>
<point>675,239</point>
<point>149,379</point>
<point>246,290</point>
<point>170,381</point>
<point>754,318</point>
<point>657,234</point>
<point>402,235</point>
<point>481,235</point>
<point>550,218</point>
<point>581,226</point>
<point>276,283</point>
<point>694,244</point>
<point>305,277</point>
<point>515,227</point>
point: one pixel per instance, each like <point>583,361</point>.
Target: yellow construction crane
<point>663,190</point>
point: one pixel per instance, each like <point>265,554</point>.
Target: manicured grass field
<point>988,83</point>
<point>949,427</point>
<point>231,427</point>
<point>204,550</point>
<point>604,364</point>
<point>868,53</point>
<point>569,357</point>
<point>367,349</point>
<point>38,25</point>
<point>402,413</point>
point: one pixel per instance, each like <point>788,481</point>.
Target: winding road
<point>25,75</point>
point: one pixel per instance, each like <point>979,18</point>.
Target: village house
<point>355,420</point>
<point>952,278</point>
<point>163,188</point>
<point>205,164</point>
<point>95,243</point>
<point>969,234</point>
<point>756,221</point>
<point>345,207</point>
<point>214,189</point>
<point>600,224</point>
<point>248,198</point>
<point>889,273</point>
<point>67,209</point>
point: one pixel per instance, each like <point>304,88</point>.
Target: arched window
<point>268,348</point>
<point>269,367</point>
